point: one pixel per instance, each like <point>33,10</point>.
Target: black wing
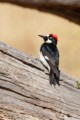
<point>53,55</point>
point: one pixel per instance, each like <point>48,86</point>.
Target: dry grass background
<point>19,28</point>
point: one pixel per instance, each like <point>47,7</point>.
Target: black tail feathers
<point>53,78</point>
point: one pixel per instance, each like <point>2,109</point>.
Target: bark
<point>69,9</point>
<point>25,92</point>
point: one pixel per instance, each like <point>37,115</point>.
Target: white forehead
<point>47,35</point>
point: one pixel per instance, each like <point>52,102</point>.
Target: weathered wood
<point>69,9</point>
<point>25,92</point>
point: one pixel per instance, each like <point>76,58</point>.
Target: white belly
<point>44,61</point>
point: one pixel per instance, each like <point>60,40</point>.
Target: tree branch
<point>69,9</point>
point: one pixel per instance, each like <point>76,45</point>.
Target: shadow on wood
<point>25,92</point>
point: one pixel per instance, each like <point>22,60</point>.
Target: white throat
<point>48,41</point>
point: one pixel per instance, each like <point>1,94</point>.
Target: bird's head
<point>51,38</point>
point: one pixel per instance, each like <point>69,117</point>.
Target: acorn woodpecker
<point>49,56</point>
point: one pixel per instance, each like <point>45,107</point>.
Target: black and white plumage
<point>49,56</point>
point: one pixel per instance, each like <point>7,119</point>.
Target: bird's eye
<point>50,38</point>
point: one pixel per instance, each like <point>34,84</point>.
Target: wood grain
<point>25,92</point>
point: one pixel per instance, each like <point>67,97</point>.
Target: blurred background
<point>20,24</point>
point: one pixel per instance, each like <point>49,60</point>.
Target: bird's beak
<point>44,37</point>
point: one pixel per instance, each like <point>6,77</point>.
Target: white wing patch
<point>46,58</point>
<point>43,60</point>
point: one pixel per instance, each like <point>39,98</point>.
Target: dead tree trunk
<point>25,92</point>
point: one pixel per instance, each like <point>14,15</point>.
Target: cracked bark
<point>69,9</point>
<point>25,92</point>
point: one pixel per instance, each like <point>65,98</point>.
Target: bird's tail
<point>53,78</point>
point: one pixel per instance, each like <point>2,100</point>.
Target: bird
<point>49,57</point>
